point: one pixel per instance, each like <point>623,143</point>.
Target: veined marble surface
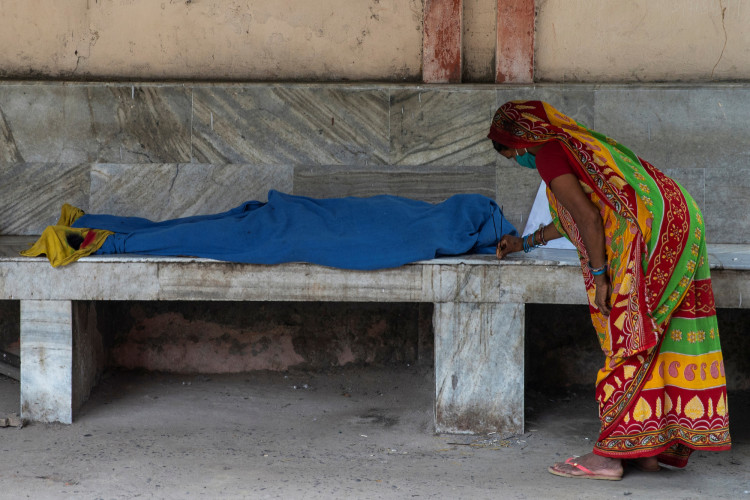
<point>168,191</point>
<point>61,142</point>
<point>433,126</point>
<point>431,184</point>
<point>727,256</point>
<point>95,123</point>
<point>31,194</point>
<point>288,125</point>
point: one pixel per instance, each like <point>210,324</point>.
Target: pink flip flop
<point>587,473</point>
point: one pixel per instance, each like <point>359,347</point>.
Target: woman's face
<point>504,150</point>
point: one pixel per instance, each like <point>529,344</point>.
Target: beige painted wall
<point>212,39</point>
<point>479,40</point>
<point>334,40</point>
<point>642,40</point>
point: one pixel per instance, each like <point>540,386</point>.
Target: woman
<point>641,241</point>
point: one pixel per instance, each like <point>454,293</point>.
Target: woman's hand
<point>602,294</point>
<point>508,244</point>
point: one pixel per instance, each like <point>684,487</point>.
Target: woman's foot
<point>645,464</point>
<point>589,466</point>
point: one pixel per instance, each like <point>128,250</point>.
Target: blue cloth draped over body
<point>350,233</point>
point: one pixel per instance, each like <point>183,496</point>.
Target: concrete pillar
<point>88,352</point>
<point>479,363</point>
<point>514,57</point>
<point>61,358</point>
<point>425,335</point>
<point>441,54</point>
<point>47,360</point>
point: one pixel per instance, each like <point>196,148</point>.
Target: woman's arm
<point>586,215</point>
<point>509,244</point>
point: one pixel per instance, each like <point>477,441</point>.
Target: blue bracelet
<point>598,271</point>
<point>528,246</point>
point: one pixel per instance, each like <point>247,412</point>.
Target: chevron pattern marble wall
<point>171,150</point>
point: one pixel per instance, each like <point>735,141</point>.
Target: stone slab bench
<point>478,315</point>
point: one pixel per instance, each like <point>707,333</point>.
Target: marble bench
<point>478,315</point>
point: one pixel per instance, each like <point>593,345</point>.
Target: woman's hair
<point>499,147</point>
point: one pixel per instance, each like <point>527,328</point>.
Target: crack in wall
<point>723,27</point>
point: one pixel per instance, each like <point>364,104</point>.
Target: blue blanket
<point>349,233</point>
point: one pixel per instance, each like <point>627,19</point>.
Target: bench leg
<point>47,360</point>
<point>88,352</point>
<point>61,358</point>
<point>479,367</point>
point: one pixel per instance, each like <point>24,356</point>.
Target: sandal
<point>587,473</point>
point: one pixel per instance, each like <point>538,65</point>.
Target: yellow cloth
<point>68,215</point>
<point>54,239</point>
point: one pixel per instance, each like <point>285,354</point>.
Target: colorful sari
<point>662,390</point>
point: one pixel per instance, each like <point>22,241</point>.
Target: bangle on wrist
<point>598,271</point>
<point>541,235</point>
<point>529,243</point>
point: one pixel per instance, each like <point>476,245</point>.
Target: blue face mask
<point>526,160</point>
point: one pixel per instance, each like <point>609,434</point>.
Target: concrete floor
<point>349,433</point>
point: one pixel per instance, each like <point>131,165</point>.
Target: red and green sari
<point>662,390</point>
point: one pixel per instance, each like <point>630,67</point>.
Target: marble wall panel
<point>287,125</point>
<point>694,181</point>
<point>679,127</point>
<point>442,127</point>
<point>9,152</point>
<point>168,191</point>
<point>86,123</point>
<point>31,194</point>
<point>341,140</point>
<point>516,189</point>
<point>726,205</point>
<point>722,219</point>
<point>33,124</point>
<point>136,124</point>
<point>432,184</point>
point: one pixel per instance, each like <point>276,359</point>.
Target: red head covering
<point>522,124</point>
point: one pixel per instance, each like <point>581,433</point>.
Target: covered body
<point>349,233</point>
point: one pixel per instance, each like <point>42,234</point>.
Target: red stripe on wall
<point>514,56</point>
<point>441,56</point>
